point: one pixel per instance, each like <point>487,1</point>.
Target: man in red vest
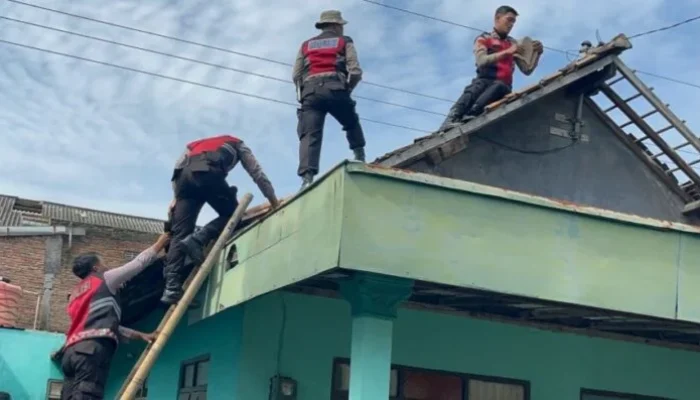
<point>95,313</point>
<point>200,177</point>
<point>325,73</point>
<point>496,55</point>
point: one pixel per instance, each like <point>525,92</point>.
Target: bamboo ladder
<point>174,314</point>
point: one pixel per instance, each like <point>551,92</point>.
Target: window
<point>588,394</point>
<point>409,383</point>
<point>53,389</point>
<point>193,379</point>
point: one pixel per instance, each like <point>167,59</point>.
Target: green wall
<point>25,367</point>
<point>218,336</point>
<point>557,364</point>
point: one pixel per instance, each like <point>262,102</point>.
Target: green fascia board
<point>298,241</point>
<point>460,233</point>
<point>448,231</point>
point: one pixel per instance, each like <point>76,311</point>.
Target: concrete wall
<point>218,336</point>
<point>557,364</point>
<point>602,172</point>
<point>25,367</point>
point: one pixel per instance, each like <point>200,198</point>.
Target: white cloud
<point>99,137</point>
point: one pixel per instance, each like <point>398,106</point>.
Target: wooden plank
<point>649,131</point>
<point>638,151</point>
<point>657,103</point>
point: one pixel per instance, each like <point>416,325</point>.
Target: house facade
<point>545,250</point>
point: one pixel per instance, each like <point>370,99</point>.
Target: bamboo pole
<point>143,368</point>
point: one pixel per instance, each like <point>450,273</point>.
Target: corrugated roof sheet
<point>55,213</point>
<point>84,216</point>
<point>9,217</point>
<point>615,46</point>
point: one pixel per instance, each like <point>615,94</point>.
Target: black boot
<point>452,120</point>
<point>359,154</point>
<point>193,246</point>
<point>173,289</point>
<point>306,180</point>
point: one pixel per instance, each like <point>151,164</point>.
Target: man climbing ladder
<point>174,315</point>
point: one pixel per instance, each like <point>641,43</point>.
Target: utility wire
<point>665,28</point>
<point>208,46</point>
<point>442,20</point>
<point>565,52</point>
<point>193,60</point>
<point>247,55</point>
<point>154,74</point>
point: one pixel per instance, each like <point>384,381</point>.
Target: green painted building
<point>542,251</point>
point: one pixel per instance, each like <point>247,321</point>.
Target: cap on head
<point>330,17</point>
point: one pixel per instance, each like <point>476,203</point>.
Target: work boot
<point>359,154</point>
<point>306,180</point>
<point>451,121</point>
<point>173,289</point>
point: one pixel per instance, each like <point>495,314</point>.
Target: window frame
<point>619,395</point>
<point>465,377</point>
<point>48,387</point>
<point>181,377</point>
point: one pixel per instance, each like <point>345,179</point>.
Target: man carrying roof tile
<point>496,55</point>
<point>325,73</point>
<point>200,177</point>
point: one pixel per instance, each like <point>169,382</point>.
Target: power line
<point>665,28</point>
<point>154,74</point>
<point>565,52</point>
<point>668,79</point>
<point>441,20</point>
<point>211,47</point>
<point>194,60</point>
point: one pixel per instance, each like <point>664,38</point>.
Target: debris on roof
<point>617,45</point>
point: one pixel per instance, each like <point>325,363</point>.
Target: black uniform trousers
<point>477,95</point>
<point>85,368</point>
<point>319,97</point>
<point>192,190</point>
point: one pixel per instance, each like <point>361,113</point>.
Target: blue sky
<point>94,136</point>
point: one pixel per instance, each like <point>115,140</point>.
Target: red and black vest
<point>503,69</point>
<point>94,312</point>
<point>213,153</point>
<point>325,54</point>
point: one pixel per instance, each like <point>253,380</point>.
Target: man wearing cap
<point>325,73</point>
<point>496,55</point>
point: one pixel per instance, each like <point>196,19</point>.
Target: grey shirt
<point>116,277</point>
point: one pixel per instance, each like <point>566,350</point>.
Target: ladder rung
<point>668,128</point>
<point>630,122</point>
<point>675,148</point>
<point>614,81</point>
<point>627,100</point>
<point>689,164</point>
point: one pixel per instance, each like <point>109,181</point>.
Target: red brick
<point>22,261</point>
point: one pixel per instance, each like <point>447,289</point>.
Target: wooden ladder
<point>172,317</point>
<point>674,166</point>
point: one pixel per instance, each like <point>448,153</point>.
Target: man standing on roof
<point>496,55</point>
<point>95,313</point>
<point>325,72</point>
<point>200,177</point>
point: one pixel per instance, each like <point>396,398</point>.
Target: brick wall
<point>22,260</point>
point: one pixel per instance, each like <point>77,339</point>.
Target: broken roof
<point>16,211</point>
<point>594,60</point>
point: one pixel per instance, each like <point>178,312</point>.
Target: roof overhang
<point>469,240</point>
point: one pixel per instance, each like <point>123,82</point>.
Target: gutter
<point>40,231</point>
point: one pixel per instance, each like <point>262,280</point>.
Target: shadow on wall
<point>25,366</point>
